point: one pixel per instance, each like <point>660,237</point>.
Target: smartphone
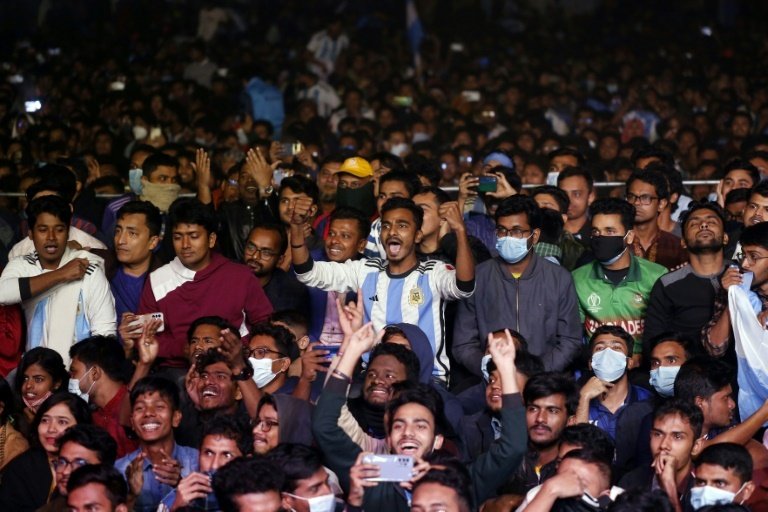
<point>457,47</point>
<point>402,101</point>
<point>487,183</point>
<point>142,319</point>
<point>392,468</point>
<point>332,349</point>
<point>32,106</point>
<point>552,178</point>
<point>471,96</point>
<point>291,148</point>
<point>278,175</point>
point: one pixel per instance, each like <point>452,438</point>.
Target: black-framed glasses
<point>264,425</point>
<point>261,352</point>
<point>749,257</point>
<point>502,232</point>
<point>260,252</point>
<point>644,199</point>
<point>62,463</point>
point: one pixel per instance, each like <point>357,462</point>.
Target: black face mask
<point>607,249</point>
<point>359,198</point>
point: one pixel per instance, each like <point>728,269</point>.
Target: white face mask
<point>399,149</point>
<point>139,132</point>
<point>609,365</point>
<point>324,503</point>
<point>262,371</point>
<point>74,386</point>
<point>708,495</point>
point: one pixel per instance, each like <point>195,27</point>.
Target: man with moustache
<point>264,254</point>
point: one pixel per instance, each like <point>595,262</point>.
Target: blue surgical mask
<point>511,249</point>
<point>134,181</point>
<point>708,495</point>
<point>609,365</point>
<point>484,367</point>
<point>663,380</point>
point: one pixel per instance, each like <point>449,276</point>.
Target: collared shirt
<point>152,492</point>
<point>600,416</point>
<point>665,249</point>
<point>108,418</point>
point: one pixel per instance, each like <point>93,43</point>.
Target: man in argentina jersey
<point>400,289</point>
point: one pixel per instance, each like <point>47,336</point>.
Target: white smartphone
<point>142,319</point>
<point>392,468</point>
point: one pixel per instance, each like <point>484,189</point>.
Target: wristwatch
<point>245,374</point>
<point>267,191</point>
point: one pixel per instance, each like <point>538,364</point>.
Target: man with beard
<point>755,212</point>
<point>264,253</point>
<point>683,300</point>
<point>550,405</point>
<point>402,289</point>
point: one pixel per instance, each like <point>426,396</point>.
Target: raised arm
<point>465,262</point>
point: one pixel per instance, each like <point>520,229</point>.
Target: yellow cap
<point>357,166</point>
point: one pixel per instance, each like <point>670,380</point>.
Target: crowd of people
<point>259,262</point>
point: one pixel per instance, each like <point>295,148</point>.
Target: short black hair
<point>452,474</point>
<point>649,151</point>
<point>740,164</point>
<point>441,196</point>
<point>576,172</point>
<point>47,359</point>
<point>298,462</point>
<point>405,356</point>
<point>105,352</point>
<point>641,499</point>
<point>190,210</point>
<point>674,337</point>
<point>727,456</point>
<point>589,455</point>
<point>291,317</point>
<point>567,151</point>
<point>702,377</point>
<point>53,178</point>
<point>738,195</point>
<point>301,185</point>
<point>349,213</point>
<point>586,435</point>
<point>760,189</point>
<point>274,227</point>
<point>520,204</point>
<point>402,203</point>
<point>152,216</point>
<point>651,177</point>
<point>253,475</point>
<point>613,330</point>
<point>424,395</point>
<point>105,474</point>
<point>409,179</point>
<point>233,427</point>
<point>561,198</point>
<point>209,357</point>
<point>695,206</point>
<point>284,339</point>
<point>52,205</point>
<point>552,383</point>
<point>756,234</point>
<point>683,408</point>
<point>94,438</point>
<point>154,384</point>
<point>614,206</point>
<point>209,320</point>
<point>526,363</point>
<point>158,159</point>
<point>8,401</point>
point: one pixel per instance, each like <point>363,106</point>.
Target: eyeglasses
<point>751,257</point>
<point>260,252</point>
<point>501,232</point>
<point>642,199</point>
<point>264,425</point>
<point>216,376</point>
<point>62,463</point>
<point>261,352</point>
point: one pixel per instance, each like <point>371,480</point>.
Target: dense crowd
<point>361,260</point>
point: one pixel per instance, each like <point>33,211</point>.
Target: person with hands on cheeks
<point>159,463</point>
<point>604,396</point>
<point>402,288</point>
<point>582,477</point>
<point>675,441</point>
<point>224,439</point>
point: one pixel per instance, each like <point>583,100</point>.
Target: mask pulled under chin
<point>159,195</point>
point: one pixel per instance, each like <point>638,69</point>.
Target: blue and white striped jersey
<point>417,297</point>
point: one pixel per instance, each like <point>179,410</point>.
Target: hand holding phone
<point>142,319</point>
<point>392,468</point>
